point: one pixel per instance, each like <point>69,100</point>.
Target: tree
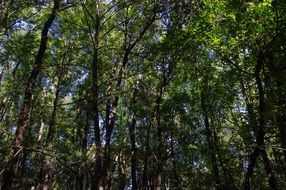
<point>11,170</point>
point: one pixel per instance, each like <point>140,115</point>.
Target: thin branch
<point>227,60</point>
<point>51,155</point>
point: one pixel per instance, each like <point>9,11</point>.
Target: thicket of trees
<point>150,94</point>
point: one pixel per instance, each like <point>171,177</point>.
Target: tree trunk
<point>271,179</point>
<point>11,170</point>
<point>110,126</point>
<point>96,174</point>
<point>128,46</point>
<point>83,138</point>
<point>251,164</point>
<point>95,111</point>
<point>122,172</point>
<point>279,75</point>
<point>132,136</point>
<point>278,72</point>
<point>210,142</point>
<point>176,179</point>
<point>262,123</point>
<point>145,174</point>
<point>160,145</point>
<point>281,119</point>
<point>260,126</point>
<point>45,172</point>
<point>166,77</point>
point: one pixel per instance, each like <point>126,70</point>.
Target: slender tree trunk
<point>122,171</point>
<point>132,136</point>
<point>11,170</point>
<point>145,174</point>
<point>281,115</point>
<point>45,173</point>
<point>251,164</point>
<point>97,171</point>
<point>107,124</point>
<point>271,179</point>
<point>252,161</point>
<point>262,123</point>
<point>228,183</point>
<point>82,167</point>
<point>112,117</point>
<point>160,145</point>
<point>281,121</point>
<point>260,133</point>
<point>254,155</point>
<point>174,164</point>
<point>278,72</point>
<point>210,142</point>
<point>96,174</point>
<point>110,126</point>
<point>85,134</point>
<point>166,77</point>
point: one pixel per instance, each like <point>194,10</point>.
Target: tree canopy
<point>142,95</point>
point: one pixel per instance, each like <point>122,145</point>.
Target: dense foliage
<point>150,94</point>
